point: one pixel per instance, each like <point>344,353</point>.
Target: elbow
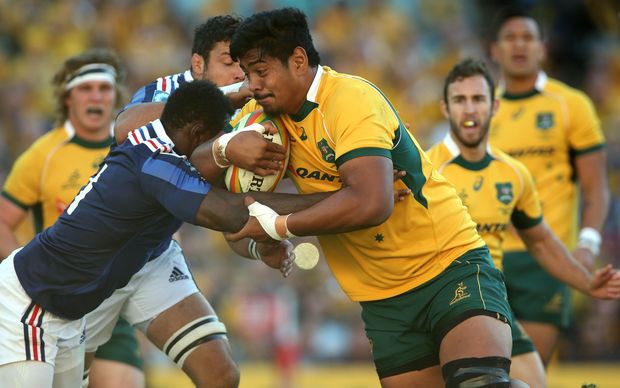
<point>375,213</point>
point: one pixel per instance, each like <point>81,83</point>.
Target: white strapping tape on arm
<point>266,216</point>
<point>590,239</point>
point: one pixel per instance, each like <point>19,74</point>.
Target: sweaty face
<point>469,110</point>
<point>90,106</point>
<point>519,49</point>
<point>220,68</point>
<point>273,84</point>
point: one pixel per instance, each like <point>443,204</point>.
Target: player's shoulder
<point>565,91</point>
<point>48,142</point>
<point>439,154</point>
<point>513,164</point>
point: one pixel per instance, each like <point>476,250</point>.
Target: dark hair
<point>214,30</point>
<point>510,12</point>
<point>72,64</point>
<point>198,102</point>
<point>466,68</point>
<point>275,34</point>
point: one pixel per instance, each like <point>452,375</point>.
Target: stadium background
<point>405,47</point>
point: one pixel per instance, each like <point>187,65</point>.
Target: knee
<point>477,373</point>
<point>226,377</point>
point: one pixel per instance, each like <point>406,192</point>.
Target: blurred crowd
<point>405,47</point>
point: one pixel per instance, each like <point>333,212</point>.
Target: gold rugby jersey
<point>345,117</point>
<point>496,190</point>
<point>545,130</point>
<point>47,176</point>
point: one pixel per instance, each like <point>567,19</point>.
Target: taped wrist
<point>590,239</point>
<point>219,145</point>
<point>273,223</point>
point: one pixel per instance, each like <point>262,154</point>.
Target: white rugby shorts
<point>28,332</point>
<point>159,285</point>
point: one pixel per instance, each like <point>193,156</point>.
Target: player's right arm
<point>10,216</point>
<point>553,256</point>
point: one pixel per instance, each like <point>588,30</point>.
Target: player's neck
<point>520,84</point>
<point>473,154</point>
<point>97,136</point>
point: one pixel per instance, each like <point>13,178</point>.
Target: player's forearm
<point>591,172</point>
<point>8,241</point>
<point>135,117</point>
<point>595,208</point>
<point>345,211</point>
<point>225,211</point>
<point>554,258</point>
<point>202,159</point>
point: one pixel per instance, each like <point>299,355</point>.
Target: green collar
<point>304,111</point>
<point>520,96</point>
<point>473,166</point>
<point>92,144</point>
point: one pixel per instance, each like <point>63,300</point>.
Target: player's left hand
<point>252,229</point>
<point>605,283</point>
<point>585,257</point>
<point>240,98</point>
<point>400,194</point>
<point>277,255</point>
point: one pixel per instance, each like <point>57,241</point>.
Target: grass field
<point>260,375</point>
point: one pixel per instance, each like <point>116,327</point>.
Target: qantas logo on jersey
<point>491,228</point>
<point>316,175</point>
<point>532,151</point>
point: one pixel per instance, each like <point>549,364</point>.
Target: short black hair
<point>510,12</point>
<point>466,68</point>
<point>198,102</point>
<point>216,29</point>
<point>275,34</point>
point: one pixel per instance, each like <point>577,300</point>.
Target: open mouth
<point>470,124</point>
<point>94,111</point>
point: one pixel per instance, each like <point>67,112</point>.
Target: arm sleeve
<point>22,186</point>
<point>175,184</point>
<point>527,211</point>
<point>365,127</point>
<point>585,134</point>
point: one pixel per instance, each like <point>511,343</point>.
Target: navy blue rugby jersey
<point>122,218</point>
<point>160,89</point>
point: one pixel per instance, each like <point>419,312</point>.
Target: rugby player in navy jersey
<point>211,61</point>
<point>119,227</point>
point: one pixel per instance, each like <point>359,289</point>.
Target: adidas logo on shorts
<point>176,275</point>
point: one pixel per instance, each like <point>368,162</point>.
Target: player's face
<point>519,49</point>
<point>274,85</point>
<point>90,107</point>
<point>220,68</point>
<point>469,110</point>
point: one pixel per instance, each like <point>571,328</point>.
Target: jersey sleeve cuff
<point>522,221</point>
<point>367,151</point>
<point>587,150</point>
<point>15,201</point>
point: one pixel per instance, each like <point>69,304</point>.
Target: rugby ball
<point>239,180</point>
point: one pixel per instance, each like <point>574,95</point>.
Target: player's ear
<point>198,64</point>
<point>299,60</point>
<point>494,106</point>
<point>444,108</point>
